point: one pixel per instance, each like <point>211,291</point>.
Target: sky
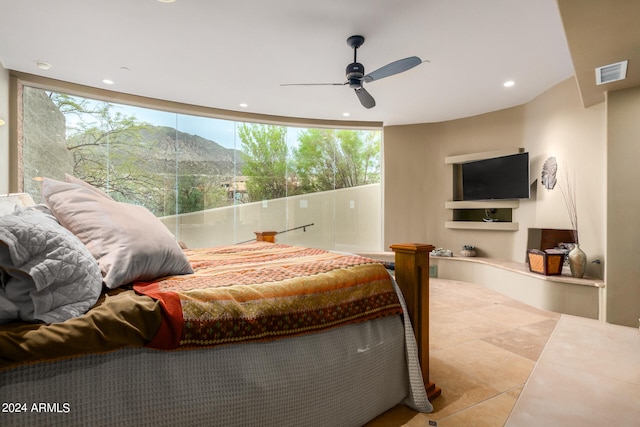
<point>217,130</point>
<point>220,131</point>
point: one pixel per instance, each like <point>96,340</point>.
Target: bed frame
<point>412,276</point>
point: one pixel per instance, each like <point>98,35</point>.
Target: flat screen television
<point>505,177</point>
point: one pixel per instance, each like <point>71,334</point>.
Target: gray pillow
<point>129,242</point>
<point>46,273</point>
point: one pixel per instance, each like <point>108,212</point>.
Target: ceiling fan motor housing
<point>355,72</point>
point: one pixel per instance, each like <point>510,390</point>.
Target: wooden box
<point>548,262</point>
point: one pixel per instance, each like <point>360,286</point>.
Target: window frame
<point>19,80</point>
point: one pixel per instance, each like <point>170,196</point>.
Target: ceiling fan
<point>356,76</point>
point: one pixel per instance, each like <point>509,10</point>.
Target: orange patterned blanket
<point>262,291</point>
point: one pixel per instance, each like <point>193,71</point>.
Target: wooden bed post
<point>412,275</point>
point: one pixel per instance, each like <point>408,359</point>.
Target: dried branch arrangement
<point>569,194</point>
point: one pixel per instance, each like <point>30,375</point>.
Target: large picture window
<point>211,181</point>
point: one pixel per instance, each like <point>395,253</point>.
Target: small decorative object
<point>468,250</point>
<point>548,262</point>
<point>441,252</point>
<point>548,175</point>
<point>577,257</point>
<point>577,261</point>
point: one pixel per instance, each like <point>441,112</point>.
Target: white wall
<point>346,220</point>
<point>556,124</point>
<point>623,232</point>
<point>418,182</point>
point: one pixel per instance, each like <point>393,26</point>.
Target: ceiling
<point>224,53</point>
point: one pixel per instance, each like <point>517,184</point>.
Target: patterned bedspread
<point>263,291</point>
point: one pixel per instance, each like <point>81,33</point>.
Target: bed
<point>214,343</point>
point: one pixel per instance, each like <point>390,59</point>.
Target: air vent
<point>611,73</point>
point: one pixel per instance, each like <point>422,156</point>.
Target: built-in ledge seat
<point>562,294</point>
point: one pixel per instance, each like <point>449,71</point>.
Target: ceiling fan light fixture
<point>355,83</point>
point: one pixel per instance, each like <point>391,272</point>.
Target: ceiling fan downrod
<point>355,70</point>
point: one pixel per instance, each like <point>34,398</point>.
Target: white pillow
<point>128,241</point>
<point>73,180</point>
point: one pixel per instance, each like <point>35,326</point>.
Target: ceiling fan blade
<point>396,67</point>
<point>313,84</point>
<point>365,97</point>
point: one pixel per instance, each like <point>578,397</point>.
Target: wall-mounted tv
<point>505,177</point>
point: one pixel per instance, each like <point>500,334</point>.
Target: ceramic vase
<point>577,261</point>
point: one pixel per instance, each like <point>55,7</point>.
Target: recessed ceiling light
<point>166,1</point>
<point>107,81</point>
<point>2,122</point>
<point>346,114</point>
<point>43,65</point>
<point>244,104</point>
<point>508,83</point>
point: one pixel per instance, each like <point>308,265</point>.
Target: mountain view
<point>174,172</point>
<point>134,162</point>
<point>195,155</point>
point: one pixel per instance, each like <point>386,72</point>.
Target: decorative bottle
<point>577,261</point>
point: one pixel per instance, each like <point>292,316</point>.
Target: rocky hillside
<point>195,155</point>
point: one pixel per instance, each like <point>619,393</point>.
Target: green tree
<point>264,151</point>
<point>195,193</point>
<point>107,147</point>
<point>357,160</point>
<point>138,163</point>
<point>327,159</point>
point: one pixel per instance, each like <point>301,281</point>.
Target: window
<point>211,181</point>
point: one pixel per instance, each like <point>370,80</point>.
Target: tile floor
<point>501,362</point>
